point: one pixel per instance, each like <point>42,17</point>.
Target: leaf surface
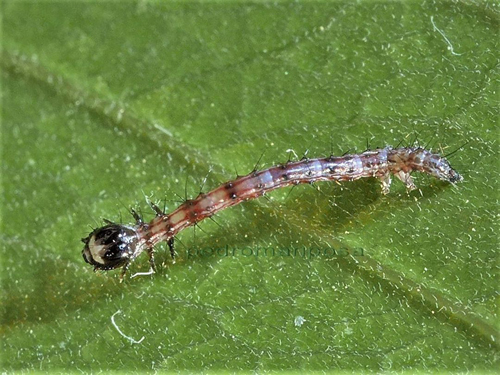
<point>108,105</point>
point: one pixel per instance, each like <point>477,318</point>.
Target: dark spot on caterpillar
<point>193,215</point>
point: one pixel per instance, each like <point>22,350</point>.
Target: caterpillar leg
<point>151,254</point>
<point>386,183</point>
<point>171,247</point>
<point>124,271</point>
<point>137,217</point>
<point>406,179</point>
<point>156,209</point>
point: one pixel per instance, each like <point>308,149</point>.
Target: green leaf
<point>108,105</point>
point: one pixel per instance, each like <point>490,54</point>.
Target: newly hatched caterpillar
<point>116,245</point>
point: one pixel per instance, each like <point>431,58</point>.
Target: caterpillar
<point>117,245</point>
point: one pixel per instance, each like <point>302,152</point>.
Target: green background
<point>107,105</point>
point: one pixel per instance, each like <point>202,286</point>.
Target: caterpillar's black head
<point>110,247</point>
